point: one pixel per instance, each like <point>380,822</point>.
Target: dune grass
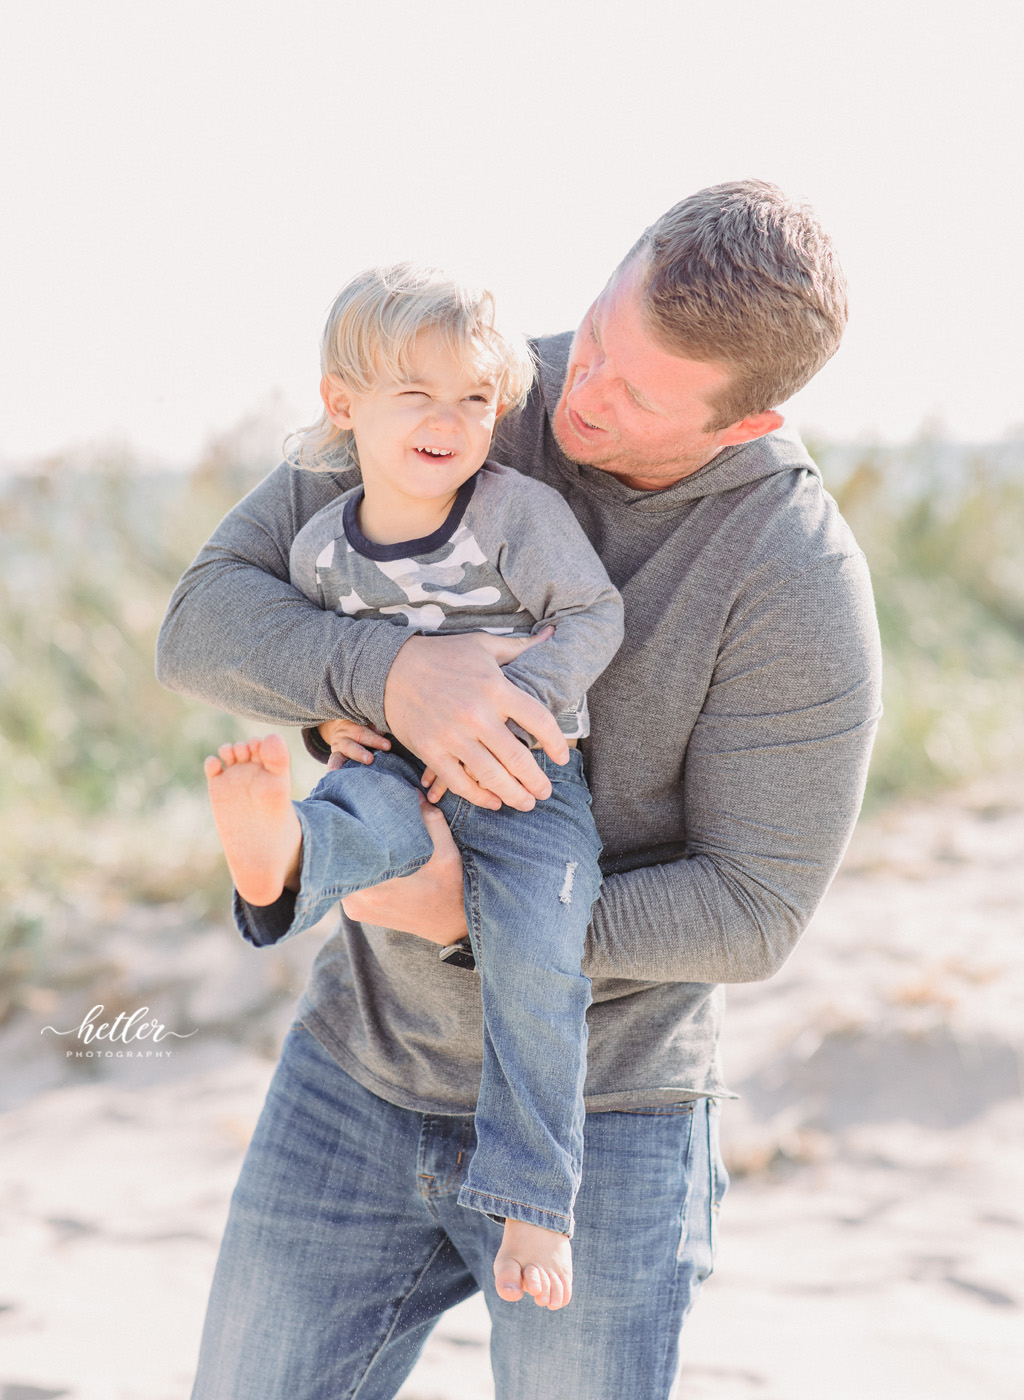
<point>102,802</point>
<point>943,535</point>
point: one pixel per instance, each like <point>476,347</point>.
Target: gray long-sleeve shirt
<point>730,740</point>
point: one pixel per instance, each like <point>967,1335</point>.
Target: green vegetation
<point>101,798</point>
<point>102,802</point>
<point>942,530</point>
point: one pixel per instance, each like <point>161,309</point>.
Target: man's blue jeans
<point>346,1242</point>
<point>530,881</point>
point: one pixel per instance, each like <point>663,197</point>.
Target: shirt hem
<point>621,1101</point>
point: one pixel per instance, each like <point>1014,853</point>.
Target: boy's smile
<point>418,439</point>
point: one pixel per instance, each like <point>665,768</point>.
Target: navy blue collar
<point>405,548</point>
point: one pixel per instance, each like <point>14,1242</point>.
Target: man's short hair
<point>743,276</point>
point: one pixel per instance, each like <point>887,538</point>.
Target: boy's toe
<point>537,1284</point>
<point>274,754</point>
<point>508,1279</point>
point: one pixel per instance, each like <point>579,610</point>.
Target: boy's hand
<point>447,700</point>
<point>351,740</point>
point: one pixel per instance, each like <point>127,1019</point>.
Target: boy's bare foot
<point>535,1261</point>
<point>251,795</point>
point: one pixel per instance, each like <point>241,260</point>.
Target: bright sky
<point>186,186</point>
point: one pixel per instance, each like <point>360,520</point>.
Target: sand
<point>871,1243</point>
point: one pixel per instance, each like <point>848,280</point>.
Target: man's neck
<point>661,480</point>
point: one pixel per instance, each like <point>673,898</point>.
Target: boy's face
<point>423,437</point>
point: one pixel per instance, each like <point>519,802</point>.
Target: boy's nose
<point>443,415</point>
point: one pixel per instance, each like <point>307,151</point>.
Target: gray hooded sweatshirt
<point>729,744</point>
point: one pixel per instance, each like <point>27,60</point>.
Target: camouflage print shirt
<point>509,559</point>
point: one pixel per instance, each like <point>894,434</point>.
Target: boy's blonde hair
<point>369,335</point>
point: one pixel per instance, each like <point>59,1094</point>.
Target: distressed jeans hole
<point>565,894</point>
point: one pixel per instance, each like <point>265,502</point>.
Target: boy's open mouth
<point>435,451</point>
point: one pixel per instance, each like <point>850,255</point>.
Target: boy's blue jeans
<point>530,881</point>
<point>345,1244</point>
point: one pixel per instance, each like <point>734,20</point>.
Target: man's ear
<point>337,401</point>
<point>747,429</point>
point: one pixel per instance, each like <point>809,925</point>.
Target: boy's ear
<point>337,401</point>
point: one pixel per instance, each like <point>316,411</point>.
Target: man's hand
<point>447,700</point>
<point>428,903</point>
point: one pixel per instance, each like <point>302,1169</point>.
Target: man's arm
<point>239,636</point>
<point>772,785</point>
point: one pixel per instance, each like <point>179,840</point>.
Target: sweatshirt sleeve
<point>552,569</point>
<point>239,636</point>
<point>772,786</point>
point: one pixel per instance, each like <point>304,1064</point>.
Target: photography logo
<point>133,1036</point>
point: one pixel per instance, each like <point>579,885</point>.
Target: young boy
<point>438,539</point>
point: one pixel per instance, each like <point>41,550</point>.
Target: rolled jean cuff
<point>500,1208</point>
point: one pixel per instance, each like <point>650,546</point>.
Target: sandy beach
<point>871,1243</point>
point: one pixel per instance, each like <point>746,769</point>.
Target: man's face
<point>631,408</point>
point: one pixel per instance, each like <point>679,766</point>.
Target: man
<point>729,745</point>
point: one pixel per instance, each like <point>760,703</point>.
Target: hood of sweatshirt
<point>778,452</point>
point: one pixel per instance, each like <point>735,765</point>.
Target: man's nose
<point>587,390</point>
